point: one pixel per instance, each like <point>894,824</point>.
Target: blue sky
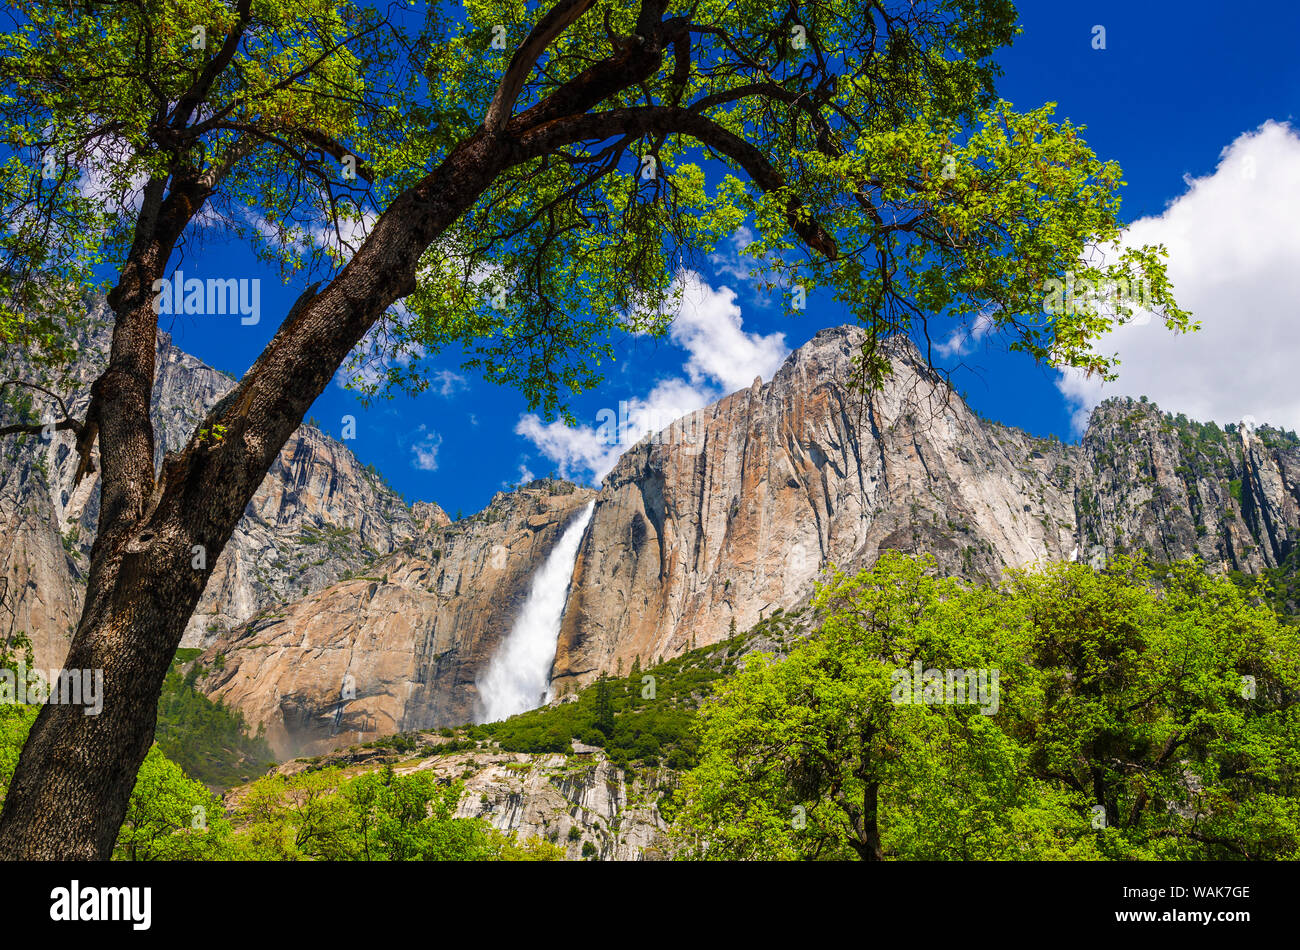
<point>1193,100</point>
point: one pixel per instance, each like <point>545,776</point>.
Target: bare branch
<point>63,406</point>
<point>313,137</point>
<point>35,428</point>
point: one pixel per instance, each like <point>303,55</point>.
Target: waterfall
<point>518,677</point>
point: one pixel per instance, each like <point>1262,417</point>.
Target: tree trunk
<point>74,778</point>
<point>871,848</point>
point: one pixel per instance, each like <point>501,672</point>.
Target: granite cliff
<point>338,613</point>
<point>398,649</point>
<point>318,516</point>
<point>736,509</point>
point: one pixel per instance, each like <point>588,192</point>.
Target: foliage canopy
<point>863,140</point>
<point>1135,719</point>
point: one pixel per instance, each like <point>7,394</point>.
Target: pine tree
<point>604,708</point>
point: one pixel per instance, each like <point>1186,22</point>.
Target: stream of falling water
<point>519,675</point>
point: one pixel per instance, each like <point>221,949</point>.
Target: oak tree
<point>1136,714</point>
<point>518,182</point>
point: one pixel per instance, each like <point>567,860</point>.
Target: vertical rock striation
<point>736,509</point>
<point>318,516</point>
<point>336,612</point>
<point>400,648</point>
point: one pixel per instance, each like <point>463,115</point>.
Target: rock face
<point>337,613</point>
<point>39,591</point>
<point>551,796</point>
<point>345,586</point>
<point>318,516</point>
<point>592,809</point>
<point>736,509</point>
<point>400,648</point>
<point>1178,488</point>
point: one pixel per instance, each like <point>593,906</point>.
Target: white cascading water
<point>519,675</point>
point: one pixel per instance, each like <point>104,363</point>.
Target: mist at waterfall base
<point>519,675</point>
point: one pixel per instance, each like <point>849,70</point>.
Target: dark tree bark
<point>76,773</point>
<point>74,779</point>
<point>870,847</point>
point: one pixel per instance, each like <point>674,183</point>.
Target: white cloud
<point>963,339</point>
<point>757,274</point>
<point>316,233</point>
<point>573,450</point>
<point>100,169</point>
<point>721,358</point>
<point>594,449</point>
<point>449,382</point>
<point>424,453</point>
<point>1234,249</point>
<point>731,261</point>
<point>709,327</point>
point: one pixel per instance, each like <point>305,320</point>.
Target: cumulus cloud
<point>1233,252</point>
<point>721,358</point>
<point>709,327</point>
<point>574,450</point>
<point>424,453</point>
<point>593,450</point>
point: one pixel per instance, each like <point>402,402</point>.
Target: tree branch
<point>313,137</point>
<point>555,22</point>
<point>667,120</point>
<point>634,61</point>
<point>36,428</point>
<point>63,406</point>
<point>215,67</point>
